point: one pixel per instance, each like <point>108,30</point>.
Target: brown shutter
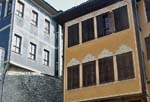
<point>100,25</point>
<point>112,22</point>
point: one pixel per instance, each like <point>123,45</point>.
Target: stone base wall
<point>25,86</point>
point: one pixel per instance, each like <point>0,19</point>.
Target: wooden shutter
<point>112,22</point>
<point>89,74</point>
<point>73,77</point>
<point>125,66</point>
<point>106,70</point>
<point>87,30</point>
<point>147,43</point>
<point>73,35</point>
<point>100,25</point>
<point>121,19</point>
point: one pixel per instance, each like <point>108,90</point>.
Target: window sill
<point>17,53</point>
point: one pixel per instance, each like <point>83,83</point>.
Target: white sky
<point>64,4</point>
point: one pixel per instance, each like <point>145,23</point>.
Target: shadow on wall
<point>31,88</point>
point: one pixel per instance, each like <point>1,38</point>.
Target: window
<point>147,8</point>
<point>34,18</point>
<point>9,7</point>
<point>47,26</point>
<point>73,35</point>
<point>46,58</point>
<point>0,10</point>
<point>89,74</point>
<point>87,30</point>
<point>147,43</point>
<point>125,66</point>
<point>32,52</point>
<point>20,10</point>
<point>17,44</point>
<point>73,77</point>
<point>106,70</point>
<point>121,18</point>
<point>105,24</point>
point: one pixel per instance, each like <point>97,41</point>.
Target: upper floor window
<point>121,18</point>
<point>73,77</point>
<point>34,18</point>
<point>17,44</point>
<point>147,43</point>
<point>73,35</point>
<point>87,30</point>
<point>89,74</point>
<point>46,58</point>
<point>147,8</point>
<point>0,10</point>
<point>106,70</point>
<point>8,7</point>
<point>47,26</point>
<point>125,66</point>
<point>20,10</point>
<point>32,51</point>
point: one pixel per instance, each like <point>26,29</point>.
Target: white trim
<point>73,62</point>
<point>105,53</point>
<point>88,58</point>
<point>123,49</point>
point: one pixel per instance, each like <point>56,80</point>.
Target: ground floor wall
<point>25,86</point>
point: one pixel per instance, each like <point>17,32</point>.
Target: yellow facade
<point>114,43</point>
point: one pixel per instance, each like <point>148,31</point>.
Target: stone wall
<point>25,86</point>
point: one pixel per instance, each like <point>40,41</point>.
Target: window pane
<point>125,66</point>
<point>17,44</point>
<point>121,18</point>
<point>147,43</point>
<point>20,10</point>
<point>87,30</point>
<point>147,7</point>
<point>89,74</point>
<point>32,52</point>
<point>106,70</point>
<point>73,35</point>
<point>73,77</point>
<point>46,58</point>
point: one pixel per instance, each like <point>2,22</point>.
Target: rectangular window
<point>89,74</point>
<point>20,10</point>
<point>34,18</point>
<point>47,26</point>
<point>105,24</point>
<point>46,58</point>
<point>121,18</point>
<point>106,70</point>
<point>73,35</point>
<point>0,10</point>
<point>147,8</point>
<point>125,66</point>
<point>87,30</point>
<point>17,44</point>
<point>73,77</point>
<point>9,7</point>
<point>32,51</point>
<point>147,43</point>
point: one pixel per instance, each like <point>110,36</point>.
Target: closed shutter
<point>100,25</point>
<point>112,22</point>
<point>147,7</point>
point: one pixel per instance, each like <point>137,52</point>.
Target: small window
<point>147,43</point>
<point>73,35</point>
<point>121,19</point>
<point>106,70</point>
<point>9,7</point>
<point>46,58</point>
<point>34,18</point>
<point>32,51</point>
<point>20,10</point>
<point>89,74</point>
<point>73,77</point>
<point>87,30</point>
<point>47,26</point>
<point>17,44</point>
<point>125,66</point>
<point>105,24</point>
<point>147,8</point>
<point>0,10</point>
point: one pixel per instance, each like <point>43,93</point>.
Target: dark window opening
<point>89,74</point>
<point>17,44</point>
<point>147,8</point>
<point>147,43</point>
<point>106,70</point>
<point>9,7</point>
<point>125,66</point>
<point>73,77</point>
<point>121,19</point>
<point>46,58</point>
<point>20,10</point>
<point>32,52</point>
<point>87,30</point>
<point>73,35</point>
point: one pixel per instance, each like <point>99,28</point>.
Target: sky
<point>64,4</point>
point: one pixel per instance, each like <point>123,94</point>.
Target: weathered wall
<point>26,86</point>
